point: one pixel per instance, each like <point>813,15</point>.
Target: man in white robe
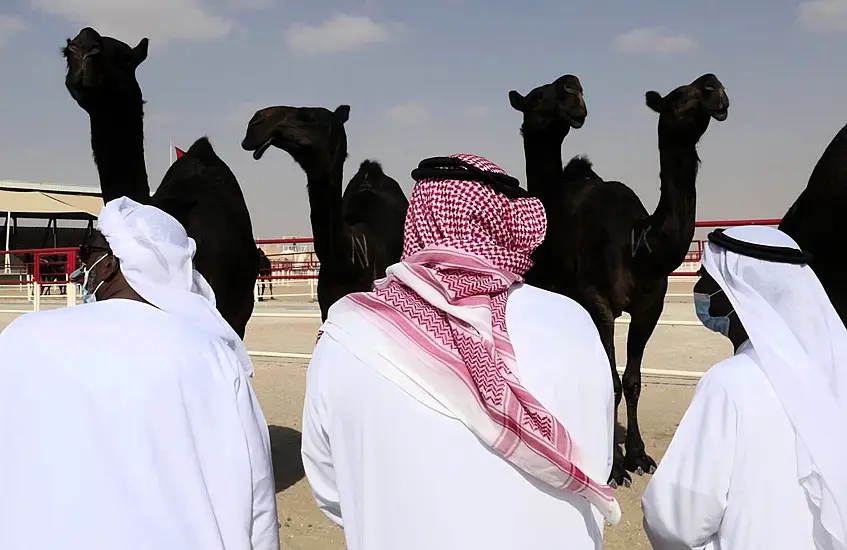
<point>404,442</point>
<point>758,460</point>
<point>129,422</point>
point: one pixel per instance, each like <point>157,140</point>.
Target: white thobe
<point>397,474</point>
<point>729,478</point>
<point>122,426</point>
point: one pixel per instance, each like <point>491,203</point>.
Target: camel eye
<point>709,88</point>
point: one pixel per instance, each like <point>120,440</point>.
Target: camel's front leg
<point>604,320</point>
<point>645,316</point>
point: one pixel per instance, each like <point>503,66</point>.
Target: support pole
<point>8,261</point>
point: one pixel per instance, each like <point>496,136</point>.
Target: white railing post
<point>71,292</point>
<point>36,299</point>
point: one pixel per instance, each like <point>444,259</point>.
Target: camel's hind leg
<point>601,313</point>
<point>645,311</point>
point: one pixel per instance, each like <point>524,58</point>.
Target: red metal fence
<point>293,265</point>
<point>691,263</point>
<point>291,260</point>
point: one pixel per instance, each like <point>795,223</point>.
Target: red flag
<point>179,152</point>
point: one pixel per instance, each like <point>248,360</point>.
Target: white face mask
<point>90,297</point>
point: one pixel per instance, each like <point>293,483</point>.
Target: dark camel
<point>199,189</point>
<point>814,218</point>
<point>265,270</point>
<point>356,236</point>
<point>604,250</point>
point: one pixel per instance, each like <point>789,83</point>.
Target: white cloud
<point>476,111</point>
<point>823,15</point>
<point>653,41</point>
<point>9,27</point>
<point>131,20</point>
<point>411,113</point>
<point>340,33</point>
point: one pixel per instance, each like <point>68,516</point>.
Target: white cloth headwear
<point>801,345</point>
<point>156,259</point>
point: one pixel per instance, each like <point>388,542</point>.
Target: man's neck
<point>125,293</point>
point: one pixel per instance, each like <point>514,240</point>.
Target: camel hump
<point>371,168</point>
<point>202,149</point>
<point>580,168</point>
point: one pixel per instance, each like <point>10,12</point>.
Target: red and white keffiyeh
<point>439,318</point>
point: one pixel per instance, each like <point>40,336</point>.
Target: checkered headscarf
<point>472,217</point>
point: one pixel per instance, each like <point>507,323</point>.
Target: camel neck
<point>324,188</point>
<point>672,223</point>
<point>543,154</point>
<point>117,140</point>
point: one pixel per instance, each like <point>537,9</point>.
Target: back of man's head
<point>151,245</point>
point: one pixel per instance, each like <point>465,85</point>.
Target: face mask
<point>702,303</point>
<point>90,297</point>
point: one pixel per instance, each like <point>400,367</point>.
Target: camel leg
<point>645,316</point>
<point>604,320</point>
<point>271,286</point>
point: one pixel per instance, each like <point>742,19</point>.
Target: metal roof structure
<point>49,200</point>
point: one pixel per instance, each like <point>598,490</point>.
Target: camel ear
<point>517,100</point>
<point>654,100</point>
<point>139,53</point>
<point>342,112</point>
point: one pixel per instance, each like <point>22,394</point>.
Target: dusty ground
<point>280,386</point>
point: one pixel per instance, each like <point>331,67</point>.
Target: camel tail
<point>579,168</point>
<point>371,168</point>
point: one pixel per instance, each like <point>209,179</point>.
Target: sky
<point>427,78</point>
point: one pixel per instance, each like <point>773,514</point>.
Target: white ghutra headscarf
<point>801,345</point>
<point>156,259</point>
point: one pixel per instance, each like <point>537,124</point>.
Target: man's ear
<point>111,267</point>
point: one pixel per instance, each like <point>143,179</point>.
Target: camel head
<point>102,69</point>
<point>556,107</point>
<point>686,111</point>
<point>311,135</point>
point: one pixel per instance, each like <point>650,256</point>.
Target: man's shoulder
<point>734,375</point>
<point>38,320</point>
<point>552,310</point>
<point>129,316</point>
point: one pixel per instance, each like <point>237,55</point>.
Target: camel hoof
<point>619,477</point>
<point>639,463</point>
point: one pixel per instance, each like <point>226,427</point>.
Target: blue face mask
<point>88,296</point>
<point>702,303</point>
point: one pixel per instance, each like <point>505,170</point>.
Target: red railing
<point>54,265</point>
<point>691,263</point>
<point>290,269</point>
<point>42,265</point>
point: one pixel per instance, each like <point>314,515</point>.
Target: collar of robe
<point>768,253</point>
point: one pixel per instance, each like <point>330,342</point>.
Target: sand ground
<point>280,387</point>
